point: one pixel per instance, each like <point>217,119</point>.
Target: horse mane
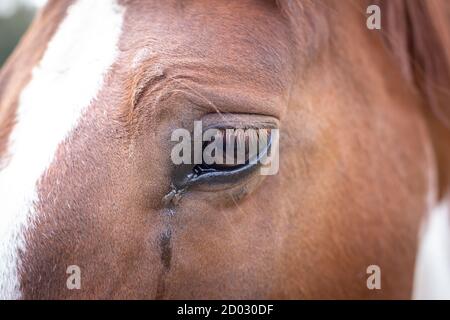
<point>417,34</point>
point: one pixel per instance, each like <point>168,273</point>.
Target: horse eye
<point>232,151</point>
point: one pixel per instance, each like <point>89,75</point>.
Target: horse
<point>92,93</point>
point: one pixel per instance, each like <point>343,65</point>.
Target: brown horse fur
<point>359,148</point>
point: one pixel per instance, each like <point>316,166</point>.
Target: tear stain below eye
<point>166,248</point>
<point>165,245</point>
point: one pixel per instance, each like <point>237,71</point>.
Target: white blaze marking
<point>432,270</point>
<point>63,84</point>
<point>432,276</point>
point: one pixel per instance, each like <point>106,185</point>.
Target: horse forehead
<point>62,86</point>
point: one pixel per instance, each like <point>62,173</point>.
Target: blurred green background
<point>15,17</point>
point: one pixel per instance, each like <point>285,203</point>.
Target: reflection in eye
<point>228,150</point>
